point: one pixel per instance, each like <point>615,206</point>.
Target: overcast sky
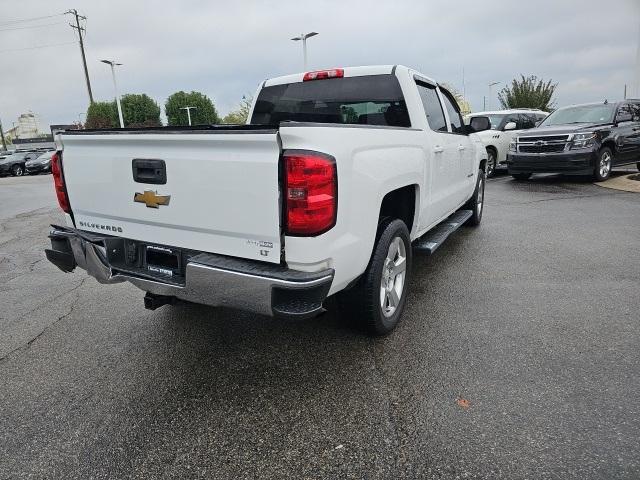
<point>226,48</point>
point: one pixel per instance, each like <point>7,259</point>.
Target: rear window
<point>366,100</point>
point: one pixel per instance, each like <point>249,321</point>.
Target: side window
<point>624,110</point>
<point>432,107</point>
<point>527,120</point>
<point>457,126</point>
<point>635,111</point>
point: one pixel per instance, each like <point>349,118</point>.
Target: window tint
<point>366,100</point>
<point>623,110</point>
<point>454,114</point>
<point>432,107</point>
<point>635,111</point>
<point>526,120</point>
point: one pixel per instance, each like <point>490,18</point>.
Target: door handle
<point>438,149</point>
<point>461,147</point>
<point>149,171</point>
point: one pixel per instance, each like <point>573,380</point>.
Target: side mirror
<point>479,124</point>
<point>623,117</point>
<point>510,126</point>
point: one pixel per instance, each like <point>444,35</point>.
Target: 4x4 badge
<point>151,199</point>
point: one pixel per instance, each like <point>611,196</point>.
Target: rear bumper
<point>209,279</point>
<point>576,163</point>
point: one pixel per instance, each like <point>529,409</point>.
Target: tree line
<point>140,110</point>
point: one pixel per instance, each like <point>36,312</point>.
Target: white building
<point>27,126</point>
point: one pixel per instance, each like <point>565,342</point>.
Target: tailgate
<point>221,193</point>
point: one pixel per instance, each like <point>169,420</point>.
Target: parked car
<point>14,163</point>
<point>588,139</point>
<point>323,193</point>
<point>40,164</point>
<point>505,125</point>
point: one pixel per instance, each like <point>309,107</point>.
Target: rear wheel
<point>17,170</point>
<point>521,176</point>
<point>492,160</point>
<point>603,164</point>
<point>378,299</point>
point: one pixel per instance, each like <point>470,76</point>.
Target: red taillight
<point>322,74</point>
<point>311,189</point>
<point>58,182</point>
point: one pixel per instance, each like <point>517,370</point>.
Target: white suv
<point>505,124</point>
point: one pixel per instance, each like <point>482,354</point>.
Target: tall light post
<point>303,37</point>
<point>490,89</point>
<point>113,64</point>
<point>188,109</point>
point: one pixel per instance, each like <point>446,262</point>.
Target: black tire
<point>492,162</point>
<point>521,176</point>
<point>17,170</point>
<point>604,164</point>
<point>476,202</point>
<point>363,301</point>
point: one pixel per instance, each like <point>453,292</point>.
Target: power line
<point>36,47</point>
<point>21,20</point>
<point>30,26</point>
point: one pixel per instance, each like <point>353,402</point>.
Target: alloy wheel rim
<point>393,277</point>
<point>480,199</point>
<point>491,164</point>
<point>605,164</point>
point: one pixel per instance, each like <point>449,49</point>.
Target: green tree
<point>102,115</point>
<point>240,115</point>
<point>528,92</point>
<point>140,110</point>
<point>204,112</point>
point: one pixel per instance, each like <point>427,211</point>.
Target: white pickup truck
<point>334,179</point>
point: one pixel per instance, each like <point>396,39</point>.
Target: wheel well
<point>611,144</point>
<point>493,149</point>
<point>483,165</point>
<point>400,204</point>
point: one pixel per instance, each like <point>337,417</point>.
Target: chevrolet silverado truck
<point>588,139</point>
<point>336,178</point>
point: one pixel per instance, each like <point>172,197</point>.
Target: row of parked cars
<point>587,139</point>
<point>25,162</point>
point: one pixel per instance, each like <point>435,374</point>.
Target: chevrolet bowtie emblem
<point>151,199</point>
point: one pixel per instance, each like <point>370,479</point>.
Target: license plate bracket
<point>163,261</point>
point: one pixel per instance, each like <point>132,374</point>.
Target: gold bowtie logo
<point>151,199</point>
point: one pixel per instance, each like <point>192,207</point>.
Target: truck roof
<point>355,71</point>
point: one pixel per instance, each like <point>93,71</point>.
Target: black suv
<point>587,139</point>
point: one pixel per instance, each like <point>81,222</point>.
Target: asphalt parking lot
<point>518,357</point>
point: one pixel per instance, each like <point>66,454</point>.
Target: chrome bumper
<point>209,279</point>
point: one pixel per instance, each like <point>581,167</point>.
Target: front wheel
<point>491,162</point>
<point>378,299</point>
<point>17,170</point>
<point>476,202</point>
<point>603,164</point>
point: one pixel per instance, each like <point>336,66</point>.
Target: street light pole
<point>491,88</point>
<point>113,64</point>
<point>188,109</point>
<point>303,37</point>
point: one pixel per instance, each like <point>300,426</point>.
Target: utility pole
<point>188,109</point>
<point>4,144</point>
<point>81,31</point>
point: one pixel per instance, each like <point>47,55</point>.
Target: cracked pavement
<point>518,357</point>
